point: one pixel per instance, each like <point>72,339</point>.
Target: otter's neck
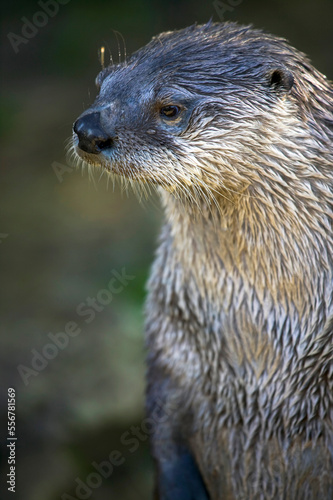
<point>264,247</point>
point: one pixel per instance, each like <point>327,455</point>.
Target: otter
<point>234,128</point>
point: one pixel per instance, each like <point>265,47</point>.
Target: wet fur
<point>239,315</point>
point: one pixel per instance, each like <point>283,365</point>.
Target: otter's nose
<point>92,138</point>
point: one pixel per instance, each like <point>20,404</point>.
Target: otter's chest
<point>208,321</point>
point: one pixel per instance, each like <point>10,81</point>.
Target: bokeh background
<point>63,236</point>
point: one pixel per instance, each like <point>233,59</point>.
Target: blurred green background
<point>60,242</point>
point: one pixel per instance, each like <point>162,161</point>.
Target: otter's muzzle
<point>92,137</point>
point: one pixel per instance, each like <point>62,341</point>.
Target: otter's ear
<point>280,79</point>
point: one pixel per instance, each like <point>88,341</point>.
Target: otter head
<point>187,110</point>
<point>212,109</point>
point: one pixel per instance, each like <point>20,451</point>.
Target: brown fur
<point>239,313</point>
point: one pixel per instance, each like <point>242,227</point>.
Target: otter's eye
<point>171,111</point>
